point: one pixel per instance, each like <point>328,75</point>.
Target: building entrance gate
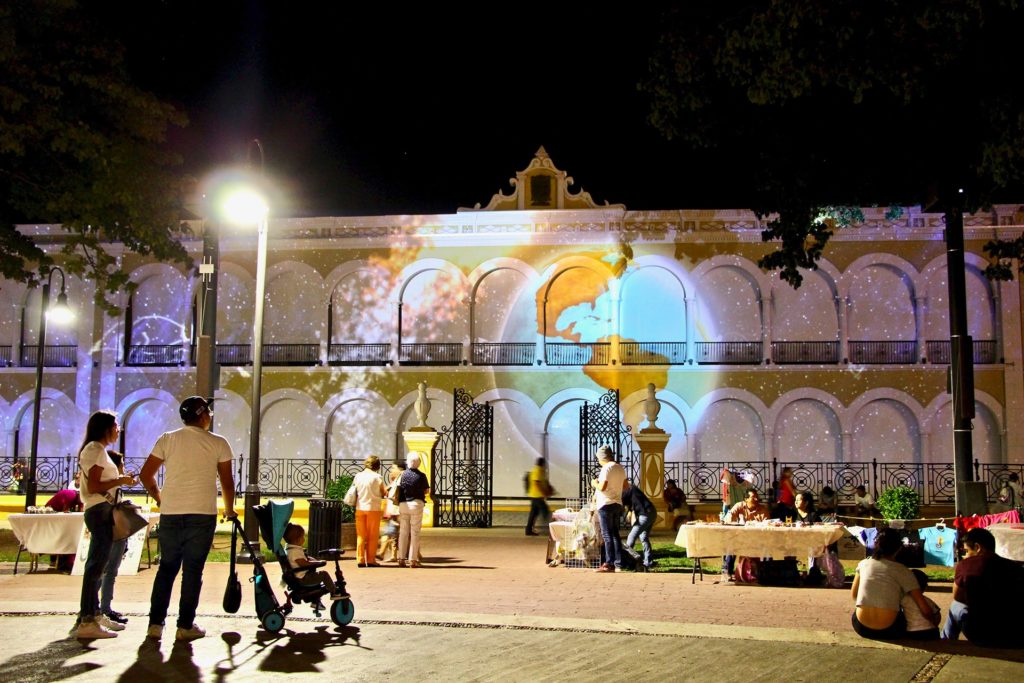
<point>462,470</point>
<point>599,426</point>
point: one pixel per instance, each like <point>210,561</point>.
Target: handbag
<point>350,496</point>
<point>127,520</point>
<point>233,591</point>
<point>395,496</point>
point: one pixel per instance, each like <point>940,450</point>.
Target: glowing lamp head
<point>244,207</point>
<point>60,313</point>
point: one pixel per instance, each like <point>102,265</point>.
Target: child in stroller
<point>302,565</point>
<point>273,521</point>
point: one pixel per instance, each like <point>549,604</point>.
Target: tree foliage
<point>82,147</point>
<point>847,103</point>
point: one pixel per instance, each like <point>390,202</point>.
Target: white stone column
<point>691,341</point>
<point>770,447</point>
<point>920,304</point>
<point>766,327</point>
<point>652,442</point>
<point>10,444</point>
<point>847,454</point>
<point>997,322</point>
<point>926,447</point>
<point>844,332</point>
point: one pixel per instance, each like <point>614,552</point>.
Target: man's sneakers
<point>116,616</point>
<point>187,634</point>
<point>93,630</point>
<point>155,631</point>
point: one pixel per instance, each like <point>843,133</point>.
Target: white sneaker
<point>155,631</point>
<point>92,630</point>
<point>193,633</point>
<point>105,621</point>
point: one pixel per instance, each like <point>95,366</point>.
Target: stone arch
<point>289,431</point>
<point>517,317</point>
<point>638,311</point>
<point>445,312</point>
<point>834,418</point>
<point>908,407</point>
<point>518,441</point>
<point>367,407</point>
<point>749,407</point>
<point>790,307</point>
<point>292,313</point>
<point>933,417</point>
<point>593,293</point>
<point>707,324</point>
<point>236,293</point>
<point>360,322</point>
<point>975,266</point>
<point>137,442</point>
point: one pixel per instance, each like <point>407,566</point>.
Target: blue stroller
<point>273,518</point>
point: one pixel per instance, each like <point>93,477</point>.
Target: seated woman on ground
<point>878,590</point>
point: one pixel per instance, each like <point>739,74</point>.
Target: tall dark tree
<point>82,147</point>
<point>845,103</point>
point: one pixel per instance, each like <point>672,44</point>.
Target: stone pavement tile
<point>236,650</point>
<point>981,669</point>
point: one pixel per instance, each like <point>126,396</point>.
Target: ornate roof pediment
<point>541,186</point>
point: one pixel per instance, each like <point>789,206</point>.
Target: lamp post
<point>245,207</point>
<point>61,314</point>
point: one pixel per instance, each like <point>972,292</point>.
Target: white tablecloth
<point>1009,540</point>
<point>54,534</point>
<point>715,540</point>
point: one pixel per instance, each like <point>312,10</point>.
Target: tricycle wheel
<point>273,621</point>
<point>342,612</point>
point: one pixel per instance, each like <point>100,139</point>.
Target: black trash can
<point>325,515</point>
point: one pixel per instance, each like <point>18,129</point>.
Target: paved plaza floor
<point>486,607</point>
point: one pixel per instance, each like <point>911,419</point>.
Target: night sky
<point>375,108</point>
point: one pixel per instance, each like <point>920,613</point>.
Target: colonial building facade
<point>535,303</point>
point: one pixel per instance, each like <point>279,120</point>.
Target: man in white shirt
<point>863,503</point>
<point>193,459</point>
<point>608,494</point>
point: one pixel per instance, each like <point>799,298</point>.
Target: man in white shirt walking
<point>193,459</point>
<point>608,493</point>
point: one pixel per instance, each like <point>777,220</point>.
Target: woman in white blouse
<point>100,481</point>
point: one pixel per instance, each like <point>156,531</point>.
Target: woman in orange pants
<point>370,494</point>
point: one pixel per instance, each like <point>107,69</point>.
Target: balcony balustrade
<point>984,351</point>
<point>6,356</point>
<point>155,355</point>
<point>359,354</point>
<point>652,353</point>
<point>434,353</point>
<point>54,356</point>
<point>504,353</point>
<point>883,352</point>
<point>795,352</point>
<point>729,353</point>
<point>291,354</point>
<point>596,353</point>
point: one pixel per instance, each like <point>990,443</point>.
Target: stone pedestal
<point>652,442</point>
<point>423,440</point>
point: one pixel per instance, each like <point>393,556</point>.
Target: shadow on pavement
<point>286,652</point>
<point>48,663</point>
<point>149,662</point>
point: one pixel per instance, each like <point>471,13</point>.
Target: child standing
<point>295,537</point>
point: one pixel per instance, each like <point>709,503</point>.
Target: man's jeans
<point>954,621</point>
<point>100,523</point>
<point>642,529</point>
<point>609,516</point>
<point>184,544</point>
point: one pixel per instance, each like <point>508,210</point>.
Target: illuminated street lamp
<point>246,206</point>
<point>61,314</point>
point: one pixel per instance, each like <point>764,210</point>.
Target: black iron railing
<point>431,353</point>
<point>560,353</point>
<point>883,352</point>
<point>652,353</point>
<point>6,357</point>
<point>985,351</point>
<point>791,352</point>
<point>699,481</point>
<point>159,355</point>
<point>359,354</point>
<point>234,354</point>
<point>729,353</point>
<point>504,353</point>
<point>54,356</point>
<point>291,354</point>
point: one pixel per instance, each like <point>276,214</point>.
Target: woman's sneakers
<point>93,630</point>
<point>105,621</point>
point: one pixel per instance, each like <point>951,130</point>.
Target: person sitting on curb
<point>878,590</point>
<point>863,503</point>
<point>987,592</point>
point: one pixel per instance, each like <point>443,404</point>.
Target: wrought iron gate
<point>462,470</point>
<point>600,425</point>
